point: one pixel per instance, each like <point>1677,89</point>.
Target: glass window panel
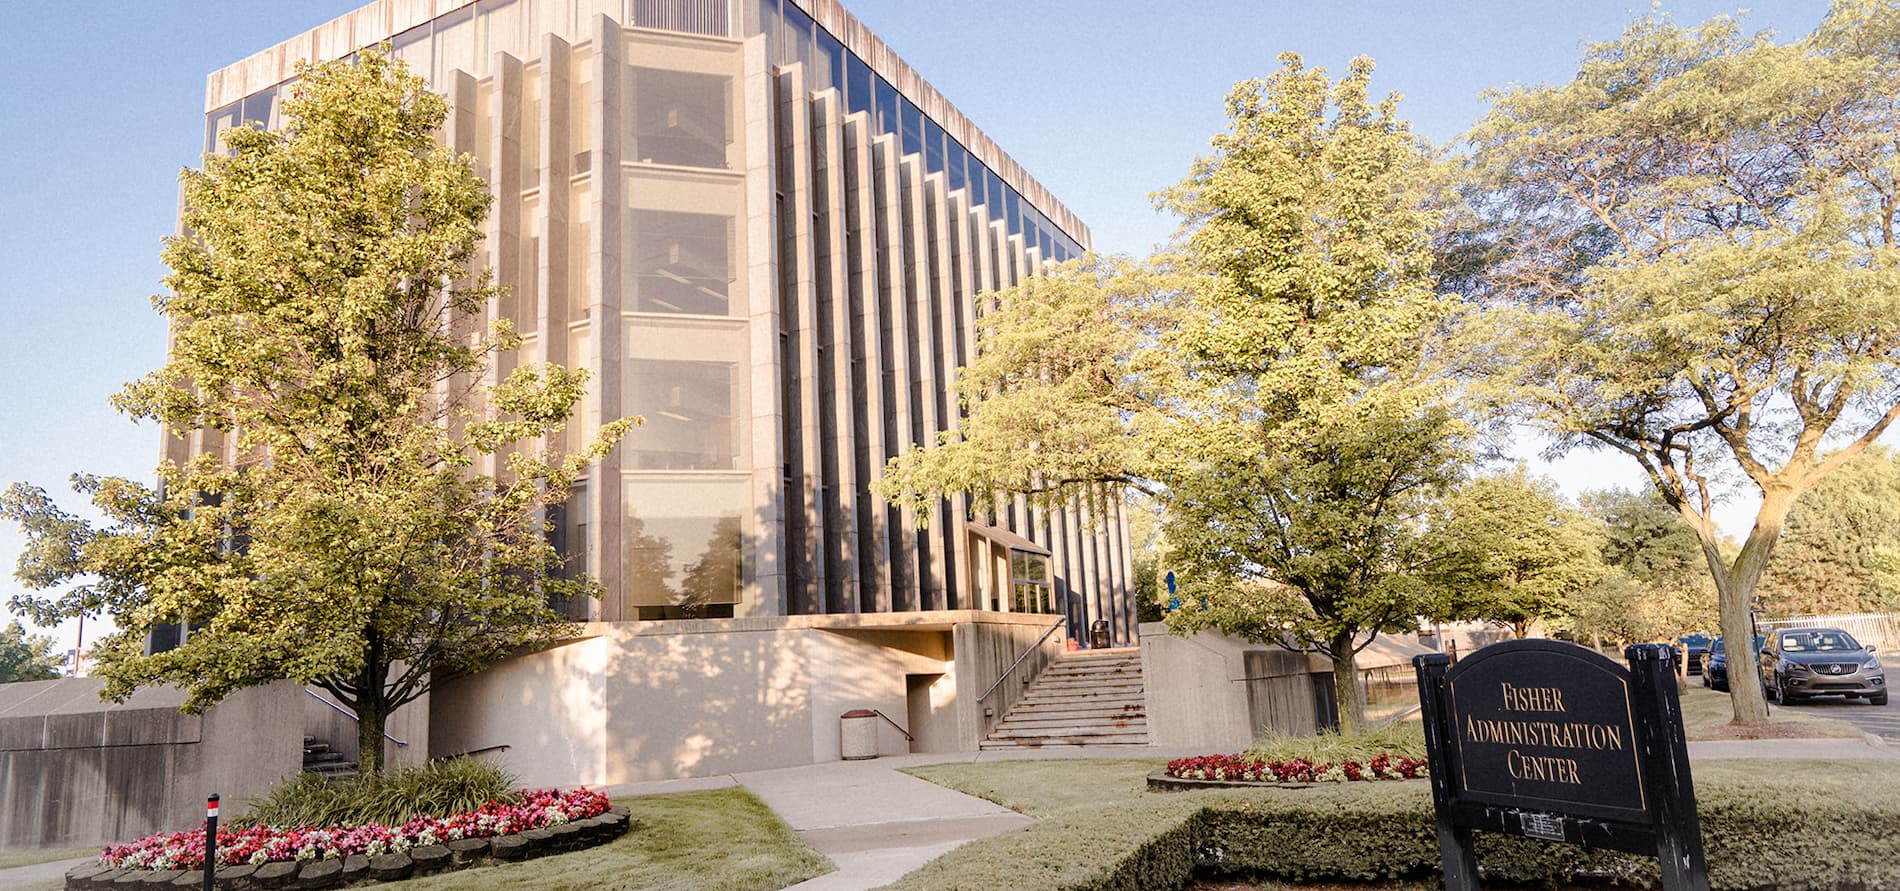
<point>1013,211</point>
<point>684,542</point>
<point>827,62</point>
<point>933,146</point>
<point>955,161</point>
<point>888,103</point>
<point>913,129</point>
<point>859,95</point>
<point>795,37</point>
<point>216,123</point>
<point>681,117</point>
<point>258,107</point>
<point>580,114</point>
<point>531,128</point>
<point>993,189</point>
<point>688,411</point>
<point>1048,244</point>
<point>682,262</point>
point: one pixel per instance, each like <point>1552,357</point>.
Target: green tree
<point>26,657</point>
<point>1830,559</point>
<point>1658,587</point>
<point>1269,384</point>
<point>1693,263</point>
<point>1526,553</point>
<point>322,315</point>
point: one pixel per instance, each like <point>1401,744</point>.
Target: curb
<point>357,870</point>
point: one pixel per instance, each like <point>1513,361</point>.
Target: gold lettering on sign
<point>1545,734</point>
<point>1542,768</point>
<point>1532,699</point>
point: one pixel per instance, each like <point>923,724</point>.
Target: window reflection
<point>688,411</point>
<point>680,117</point>
<point>1029,582</point>
<point>682,262</point>
<point>684,546</point>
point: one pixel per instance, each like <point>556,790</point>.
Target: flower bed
<point>1236,769</point>
<point>258,845</point>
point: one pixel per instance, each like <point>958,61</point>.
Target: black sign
<point>1551,741</point>
<point>1540,724</point>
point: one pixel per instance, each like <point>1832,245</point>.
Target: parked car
<point>1800,662</point>
<point>1695,647</point>
<point>1715,671</point>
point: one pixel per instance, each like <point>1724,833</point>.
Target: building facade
<point>766,235</point>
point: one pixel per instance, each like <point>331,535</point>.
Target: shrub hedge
<point>1805,826</point>
<point>437,789</point>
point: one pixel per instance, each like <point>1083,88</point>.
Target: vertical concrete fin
<point>894,304</point>
<point>835,345</point>
<point>806,526</point>
<point>867,362</point>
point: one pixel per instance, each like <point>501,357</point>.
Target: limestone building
<point>767,235</point>
<point>764,233</point>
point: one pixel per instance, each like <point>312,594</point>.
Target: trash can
<point>1098,634</point>
<point>857,734</point>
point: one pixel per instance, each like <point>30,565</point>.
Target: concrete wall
<point>985,650</point>
<point>75,771</point>
<point>655,700</point>
<point>1219,693</point>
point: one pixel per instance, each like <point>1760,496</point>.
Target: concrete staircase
<point>1093,697</point>
<point>320,759</point>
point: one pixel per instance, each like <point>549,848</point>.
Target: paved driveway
<point>1880,720</point>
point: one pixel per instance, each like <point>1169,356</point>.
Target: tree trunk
<point>1350,697</point>
<point>1735,587</point>
<point>370,724</point>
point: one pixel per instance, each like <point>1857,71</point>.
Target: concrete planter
<point>358,870</point>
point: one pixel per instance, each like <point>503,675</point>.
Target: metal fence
<point>1878,630</point>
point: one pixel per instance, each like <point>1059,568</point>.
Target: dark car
<point>1715,671</point>
<point>1694,646</point>
<point>1800,662</point>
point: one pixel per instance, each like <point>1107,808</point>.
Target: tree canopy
<point>26,657</point>
<point>1692,261</point>
<point>326,323</point>
<point>1527,552</point>
<point>1269,380</point>
<point>1841,535</point>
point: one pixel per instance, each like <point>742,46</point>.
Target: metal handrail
<point>1019,659</point>
<point>473,752</point>
<point>346,713</point>
<point>900,727</point>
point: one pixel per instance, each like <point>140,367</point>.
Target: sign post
<point>1550,741</point>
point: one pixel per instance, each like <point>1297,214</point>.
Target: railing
<point>1019,659</point>
<point>887,720</point>
<point>346,713</point>
<point>473,752</point>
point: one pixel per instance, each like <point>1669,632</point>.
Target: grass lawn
<point>1706,715</point>
<point>720,840</point>
<point>692,841</point>
<point>1092,814</point>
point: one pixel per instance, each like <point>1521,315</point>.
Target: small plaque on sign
<point>1549,827</point>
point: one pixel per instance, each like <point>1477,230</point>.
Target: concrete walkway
<point>38,873</point>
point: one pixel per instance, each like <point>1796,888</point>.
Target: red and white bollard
<point>211,838</point>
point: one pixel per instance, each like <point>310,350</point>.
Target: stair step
<point>1069,731</point>
<point>1105,708</point>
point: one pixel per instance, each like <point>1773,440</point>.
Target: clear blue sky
<point>1104,102</point>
